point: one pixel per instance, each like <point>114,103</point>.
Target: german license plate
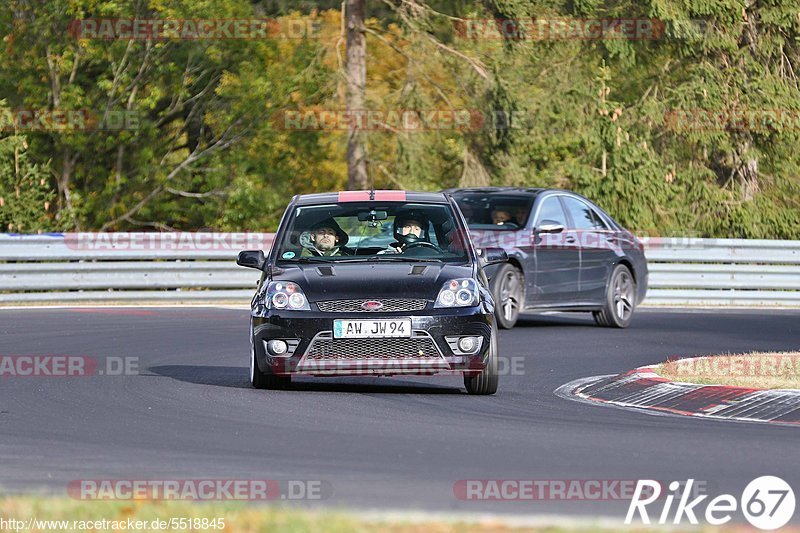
<point>371,329</point>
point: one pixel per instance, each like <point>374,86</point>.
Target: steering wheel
<point>423,243</point>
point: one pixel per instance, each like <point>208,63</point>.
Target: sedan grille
<point>328,349</point>
<point>389,305</point>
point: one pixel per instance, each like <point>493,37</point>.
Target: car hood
<point>371,280</point>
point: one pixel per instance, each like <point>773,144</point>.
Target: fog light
<point>467,344</point>
<point>277,347</point>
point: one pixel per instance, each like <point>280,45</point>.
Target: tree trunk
<point>356,71</point>
<point>749,176</point>
<point>474,173</point>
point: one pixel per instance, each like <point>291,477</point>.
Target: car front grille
<point>329,349</point>
<point>389,305</point>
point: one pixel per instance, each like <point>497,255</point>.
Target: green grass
<point>241,517</point>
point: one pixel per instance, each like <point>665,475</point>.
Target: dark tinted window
<point>551,213</point>
<point>583,216</point>
<point>494,211</point>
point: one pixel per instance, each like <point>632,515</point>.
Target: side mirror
<point>251,259</point>
<point>550,228</point>
<point>491,256</point>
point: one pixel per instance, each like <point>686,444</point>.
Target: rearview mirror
<point>550,228</point>
<point>490,256</point>
<point>372,216</point>
<point>251,259</point>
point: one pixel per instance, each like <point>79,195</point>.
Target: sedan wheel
<point>620,299</point>
<point>508,291</point>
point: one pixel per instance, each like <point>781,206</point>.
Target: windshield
<point>373,231</point>
<point>495,211</point>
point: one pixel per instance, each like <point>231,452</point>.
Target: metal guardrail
<point>723,272</point>
<point>199,267</point>
<point>127,267</point>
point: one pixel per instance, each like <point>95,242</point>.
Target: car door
<point>556,256</point>
<point>597,250</point>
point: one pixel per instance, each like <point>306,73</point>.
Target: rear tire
<point>508,289</point>
<point>266,380</point>
<point>486,382</point>
<point>620,301</point>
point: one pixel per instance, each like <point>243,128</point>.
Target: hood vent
<point>325,271</point>
<point>417,270</point>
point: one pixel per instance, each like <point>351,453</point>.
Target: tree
<point>25,193</point>
<point>356,72</point>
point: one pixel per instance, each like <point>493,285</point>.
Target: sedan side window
<point>583,216</point>
<point>551,213</point>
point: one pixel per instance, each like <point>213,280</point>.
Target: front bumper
<point>314,351</point>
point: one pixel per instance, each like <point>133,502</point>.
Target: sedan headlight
<point>286,295</point>
<point>461,292</point>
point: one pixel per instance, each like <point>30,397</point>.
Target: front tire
<point>618,309</point>
<point>266,380</point>
<point>486,382</point>
<point>508,290</point>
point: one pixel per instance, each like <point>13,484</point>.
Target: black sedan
<point>373,283</point>
<point>565,253</point>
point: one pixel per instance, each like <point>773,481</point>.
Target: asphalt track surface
<point>381,443</point>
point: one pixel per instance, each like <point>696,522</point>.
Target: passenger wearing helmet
<point>325,238</point>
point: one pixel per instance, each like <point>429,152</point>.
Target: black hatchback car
<point>565,253</point>
<point>373,283</point>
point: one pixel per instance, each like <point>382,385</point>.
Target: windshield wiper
<point>333,261</point>
<point>367,259</point>
<point>401,259</point>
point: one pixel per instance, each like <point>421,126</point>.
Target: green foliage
<point>614,119</point>
<point>25,194</point>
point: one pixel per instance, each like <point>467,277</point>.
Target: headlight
<point>286,295</point>
<point>461,292</point>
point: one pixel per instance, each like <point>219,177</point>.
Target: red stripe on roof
<point>391,196</point>
<point>381,196</point>
<point>353,196</point>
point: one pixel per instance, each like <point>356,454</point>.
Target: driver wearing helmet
<point>409,228</point>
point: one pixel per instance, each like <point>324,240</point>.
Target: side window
<point>433,237</point>
<point>583,216</point>
<point>551,212</point>
<point>598,221</point>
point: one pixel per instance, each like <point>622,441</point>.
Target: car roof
<point>365,196</point>
<point>526,191</point>
<point>531,192</point>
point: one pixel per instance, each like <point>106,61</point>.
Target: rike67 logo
<point>767,503</point>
